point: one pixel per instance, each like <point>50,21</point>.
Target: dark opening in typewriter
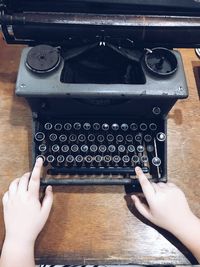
<point>100,79</point>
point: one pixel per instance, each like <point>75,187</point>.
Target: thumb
<point>141,207</point>
<point>47,202</point>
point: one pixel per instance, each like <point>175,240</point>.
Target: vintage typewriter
<point>100,78</point>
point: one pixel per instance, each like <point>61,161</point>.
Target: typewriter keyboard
<point>95,147</point>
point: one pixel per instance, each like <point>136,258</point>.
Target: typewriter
<point>100,78</point>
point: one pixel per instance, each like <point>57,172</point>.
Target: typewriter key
<point>121,148</point>
<point>116,159</point>
<point>58,127</point>
<point>67,126</point>
<point>119,138</point>
<point>84,148</point>
<point>135,159</point>
<point>143,126</point>
<point>129,138</point>
<point>48,126</point>
<point>152,126</point>
<point>150,148</point>
<point>93,148</point>
<point>140,148</point>
<point>156,161</point>
<point>111,148</point>
<point>107,158</point>
<point>39,136</point>
<point>125,159</point>
<point>134,126</point>
<point>63,138</point>
<point>100,138</point>
<point>50,158</point>
<point>70,159</point>
<point>65,148</point>
<point>87,126</point>
<point>79,158</point>
<point>138,137</point>
<point>98,158</point>
<point>42,148</point>
<point>161,137</point>
<point>102,148</point>
<point>131,148</point>
<point>53,137</point>
<point>91,138</point>
<point>144,159</point>
<point>147,138</point>
<point>110,138</point>
<point>55,148</point>
<point>96,126</point>
<point>41,156</point>
<point>105,127</point>
<point>81,137</point>
<point>124,127</point>
<point>72,137</point>
<point>88,158</point>
<point>60,159</point>
<point>115,127</point>
<point>77,126</point>
<point>74,148</point>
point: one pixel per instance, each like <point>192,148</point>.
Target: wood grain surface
<point>94,225</point>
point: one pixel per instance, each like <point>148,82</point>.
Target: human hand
<point>166,206</point>
<point>24,215</point>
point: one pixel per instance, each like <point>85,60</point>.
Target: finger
<point>147,187</point>
<point>161,185</point>
<point>5,198</point>
<point>13,187</point>
<point>23,183</point>
<point>47,202</point>
<point>34,183</point>
<point>141,207</point>
<point>171,184</point>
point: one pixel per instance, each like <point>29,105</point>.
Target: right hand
<point>166,206</point>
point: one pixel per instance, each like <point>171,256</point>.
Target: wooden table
<point>92,225</point>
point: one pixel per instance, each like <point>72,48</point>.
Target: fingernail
<point>137,168</point>
<point>49,188</point>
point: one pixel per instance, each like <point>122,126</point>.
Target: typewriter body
<point>100,78</point>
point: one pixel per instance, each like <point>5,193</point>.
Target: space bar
<point>97,171</point>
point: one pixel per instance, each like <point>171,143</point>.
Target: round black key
<point>63,138</point>
<point>98,158</point>
<point>161,137</point>
<point>107,158</point>
<point>74,148</point>
<point>143,126</point>
<point>100,138</point>
<point>105,127</point>
<point>81,137</point>
<point>77,126</point>
<point>84,148</point>
<point>39,136</point>
<point>147,138</point>
<point>138,137</point>
<point>125,158</point>
<point>150,148</point>
<point>93,148</point>
<point>50,158</point>
<point>111,148</point>
<point>144,159</point>
<point>65,148</point>
<point>96,126</point>
<point>124,127</point>
<point>70,159</point>
<point>91,137</point>
<point>79,158</point>
<point>67,126</point>
<point>53,137</point>
<point>119,138</point>
<point>134,126</point>
<point>88,158</point>
<point>72,137</point>
<point>131,148</point>
<point>140,148</point>
<point>110,138</point>
<point>116,159</point>
<point>156,161</point>
<point>102,148</point>
<point>55,148</point>
<point>60,159</point>
<point>115,127</point>
<point>58,126</point>
<point>121,148</point>
<point>42,148</point>
<point>41,156</point>
<point>135,159</point>
<point>153,127</point>
<point>87,126</point>
<point>129,138</point>
<point>48,126</point>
